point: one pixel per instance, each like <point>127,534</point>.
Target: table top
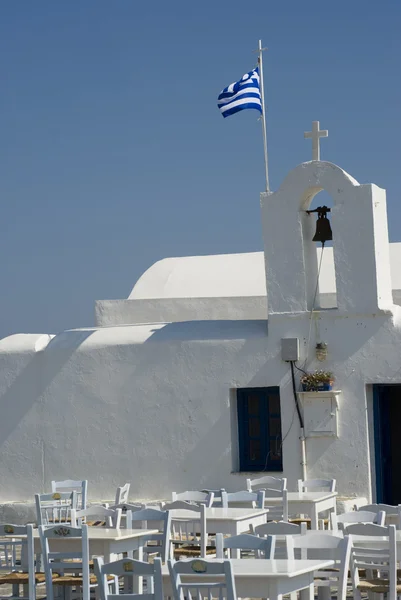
<point>103,533</point>
<point>271,568</point>
<point>221,514</point>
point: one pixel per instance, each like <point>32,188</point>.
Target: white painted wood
<point>72,485</point>
<point>200,581</point>
<point>17,554</point>
<point>313,545</point>
<point>122,494</point>
<point>58,561</point>
<point>356,516</point>
<point>280,530</point>
<point>147,519</point>
<point>205,498</point>
<point>262,547</point>
<point>317,485</point>
<point>230,521</point>
<point>129,568</point>
<point>55,507</point>
<point>188,525</point>
<point>266,482</point>
<point>265,578</point>
<point>365,558</point>
<point>392,513</point>
<point>243,499</point>
<point>97,512</point>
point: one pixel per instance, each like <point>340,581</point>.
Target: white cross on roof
<point>315,135</point>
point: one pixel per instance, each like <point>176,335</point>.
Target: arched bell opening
<point>318,238</point>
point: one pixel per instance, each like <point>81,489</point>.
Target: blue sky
<point>114,154</point>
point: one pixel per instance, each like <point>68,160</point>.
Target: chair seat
<point>193,551</point>
<point>96,523</point>
<point>72,580</point>
<point>23,578</point>
<point>377,586</point>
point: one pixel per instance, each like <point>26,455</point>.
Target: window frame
<point>262,416</point>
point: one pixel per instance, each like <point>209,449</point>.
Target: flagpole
<point>262,95</point>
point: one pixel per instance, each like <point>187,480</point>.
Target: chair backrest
<point>317,485</point>
<point>392,513</point>
<point>72,485</point>
<point>55,562</point>
<point>315,545</point>
<point>97,515</point>
<point>261,547</point>
<point>152,518</point>
<point>202,584</point>
<point>21,550</point>
<point>128,567</point>
<point>356,516</point>
<point>370,529</point>
<point>276,502</point>
<point>188,530</point>
<point>267,481</point>
<point>205,498</point>
<point>376,559</point>
<point>55,507</point>
<point>280,530</point>
<point>243,499</point>
<point>125,507</point>
<point>122,494</point>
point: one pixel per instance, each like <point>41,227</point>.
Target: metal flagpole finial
<point>315,136</point>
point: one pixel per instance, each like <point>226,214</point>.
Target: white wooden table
<point>271,579</point>
<point>229,521</point>
<point>102,541</point>
<point>308,503</point>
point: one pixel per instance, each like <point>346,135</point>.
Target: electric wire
<point>313,305</point>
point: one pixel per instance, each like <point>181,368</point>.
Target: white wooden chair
<point>261,547</point>
<point>205,498</point>
<point>243,499</point>
<point>392,513</point>
<point>97,515</point>
<point>373,569</point>
<point>71,485</point>
<point>341,522</point>
<point>279,530</point>
<point>204,583</point>
<point>156,543</point>
<point>19,572</point>
<point>189,535</point>
<point>58,563</point>
<point>267,481</point>
<point>55,507</point>
<point>129,568</point>
<point>323,546</point>
<point>317,485</point>
<point>122,494</point>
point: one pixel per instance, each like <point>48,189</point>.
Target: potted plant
<point>317,381</point>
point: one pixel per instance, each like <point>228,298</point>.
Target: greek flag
<point>243,94</point>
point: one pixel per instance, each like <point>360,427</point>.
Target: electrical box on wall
<point>290,349</point>
<point>320,413</point>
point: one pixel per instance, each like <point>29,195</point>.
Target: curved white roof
<point>229,275</point>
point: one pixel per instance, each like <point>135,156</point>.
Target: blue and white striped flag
<point>243,94</point>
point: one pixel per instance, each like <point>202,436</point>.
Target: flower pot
<point>317,387</point>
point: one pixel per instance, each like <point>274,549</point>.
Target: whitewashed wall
<point>154,404</point>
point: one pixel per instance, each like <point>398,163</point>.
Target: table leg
<point>308,593</point>
<point>314,517</point>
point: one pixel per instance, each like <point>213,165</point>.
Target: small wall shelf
<point>320,413</point>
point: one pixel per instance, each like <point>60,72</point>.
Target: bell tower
<point>360,240</point>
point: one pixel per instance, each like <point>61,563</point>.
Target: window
<point>259,429</point>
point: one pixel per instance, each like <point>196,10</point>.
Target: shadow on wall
<point>209,330</point>
<point>31,382</point>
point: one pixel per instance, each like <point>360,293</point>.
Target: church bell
<point>323,228</point>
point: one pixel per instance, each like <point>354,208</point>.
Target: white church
<point>187,384</point>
